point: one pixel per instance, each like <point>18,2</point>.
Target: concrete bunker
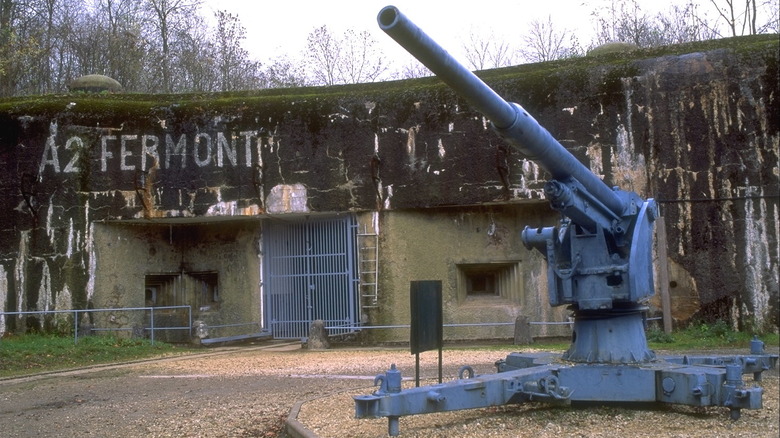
<point>114,202</point>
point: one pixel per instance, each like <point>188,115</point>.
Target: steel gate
<point>309,273</point>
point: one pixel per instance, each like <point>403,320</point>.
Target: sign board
<point>426,310</point>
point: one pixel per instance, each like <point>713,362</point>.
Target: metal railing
<point>465,324</point>
<point>152,328</point>
<point>471,324</point>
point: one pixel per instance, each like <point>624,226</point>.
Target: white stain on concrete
<point>758,261</point>
<point>44,289</point>
<point>20,270</point>
<point>231,208</point>
<point>629,166</point>
<point>63,301</point>
<point>288,198</point>
<point>411,144</point>
<point>3,297</point>
<point>130,197</point>
<point>72,239</point>
<point>388,196</point>
<point>630,170</point>
<point>49,228</point>
<point>594,155</point>
<point>91,256</point>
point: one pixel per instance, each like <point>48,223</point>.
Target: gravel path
<point>249,391</point>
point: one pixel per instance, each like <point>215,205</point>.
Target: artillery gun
<point>599,263</point>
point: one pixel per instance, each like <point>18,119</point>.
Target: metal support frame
<point>541,377</point>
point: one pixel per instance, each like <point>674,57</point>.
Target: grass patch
<point>706,336</point>
<point>697,336</point>
<point>33,353</point>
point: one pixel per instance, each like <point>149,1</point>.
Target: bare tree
<point>773,17</point>
<point>353,58</point>
<point>196,62</point>
<point>412,69</point>
<point>486,51</point>
<point>361,60</point>
<point>625,21</point>
<point>683,24</point>
<point>169,17</point>
<point>545,43</point>
<point>324,54</point>
<point>728,12</point>
<point>161,46</point>
<point>87,43</point>
<point>235,70</point>
<point>284,72</point>
<point>742,17</point>
<point>142,44</point>
<point>120,38</point>
<point>60,67</point>
<point>7,46</point>
<point>6,11</point>
<point>22,29</point>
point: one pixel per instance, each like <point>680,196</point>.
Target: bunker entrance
<point>310,273</point>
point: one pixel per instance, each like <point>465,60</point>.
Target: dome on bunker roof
<point>95,84</point>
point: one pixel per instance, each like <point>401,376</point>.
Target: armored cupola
<point>95,84</point>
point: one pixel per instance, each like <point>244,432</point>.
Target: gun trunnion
<point>599,263</point>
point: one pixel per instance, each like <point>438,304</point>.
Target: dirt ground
<point>249,391</point>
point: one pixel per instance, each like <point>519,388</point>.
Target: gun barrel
<point>509,120</point>
<point>433,56</point>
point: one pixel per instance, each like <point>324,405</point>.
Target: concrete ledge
<point>294,427</point>
<point>262,336</point>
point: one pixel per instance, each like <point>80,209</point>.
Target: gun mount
<point>599,263</point>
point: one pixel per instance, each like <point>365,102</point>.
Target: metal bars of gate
<point>310,273</point>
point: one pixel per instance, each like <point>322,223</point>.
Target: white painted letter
<point>49,156</point>
<point>248,145</point>
<point>195,155</point>
<point>104,153</point>
<point>179,148</point>
<point>74,144</point>
<point>123,152</point>
<point>149,148</point>
<point>229,148</point>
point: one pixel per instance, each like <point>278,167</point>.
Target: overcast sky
<point>281,26</point>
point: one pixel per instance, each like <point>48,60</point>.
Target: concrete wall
<point>126,254</point>
<point>442,245</point>
<point>695,126</point>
